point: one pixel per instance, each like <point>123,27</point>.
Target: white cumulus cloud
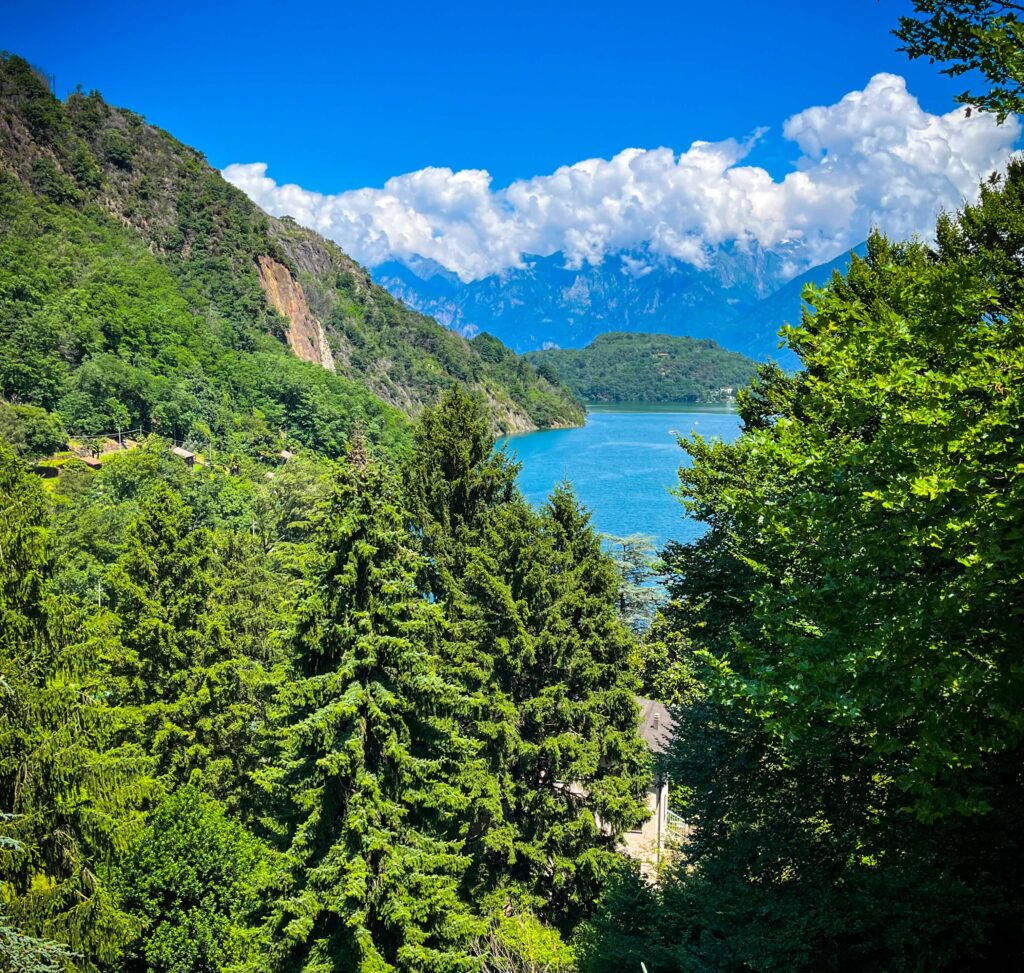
<point>874,159</point>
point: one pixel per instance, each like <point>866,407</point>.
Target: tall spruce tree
<point>377,772</point>
<point>160,590</point>
<point>160,587</point>
<point>194,608</point>
<point>456,484</point>
<point>581,767</point>
<point>533,634</point>
<point>70,788</point>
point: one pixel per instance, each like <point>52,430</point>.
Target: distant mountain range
<point>740,299</point>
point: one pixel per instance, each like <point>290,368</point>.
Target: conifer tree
<point>29,954</point>
<point>456,483</point>
<point>581,767</point>
<point>377,772</point>
<point>160,590</point>
<point>160,586</point>
<point>23,567</point>
<point>200,686</point>
<point>638,565</point>
<point>70,788</point>
<point>229,696</point>
<point>530,604</point>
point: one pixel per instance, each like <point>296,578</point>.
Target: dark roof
<point>656,724</point>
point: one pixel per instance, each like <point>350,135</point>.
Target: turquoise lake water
<point>622,464</point>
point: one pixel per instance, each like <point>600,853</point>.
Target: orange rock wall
<point>306,335</point>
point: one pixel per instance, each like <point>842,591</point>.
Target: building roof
<point>656,724</point>
<point>183,453</point>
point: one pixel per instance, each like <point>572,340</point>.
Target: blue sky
<point>339,95</point>
<point>477,135</point>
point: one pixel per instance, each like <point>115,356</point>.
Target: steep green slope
<point>624,367</point>
<point>405,357</point>
<point>138,288</point>
<point>96,329</point>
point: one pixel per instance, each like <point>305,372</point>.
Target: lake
<point>622,463</point>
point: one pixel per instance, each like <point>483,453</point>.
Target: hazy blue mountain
<point>740,300</point>
<point>756,329</point>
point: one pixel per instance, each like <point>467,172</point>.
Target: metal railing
<point>676,822</point>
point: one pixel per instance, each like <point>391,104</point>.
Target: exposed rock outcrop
<point>306,336</point>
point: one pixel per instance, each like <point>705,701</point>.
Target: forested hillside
<point>139,289</point>
<point>625,367</point>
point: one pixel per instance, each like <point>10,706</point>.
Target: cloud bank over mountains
<point>875,158</point>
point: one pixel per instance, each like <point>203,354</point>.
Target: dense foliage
<point>377,714</point>
<point>192,880</point>
<point>317,715</point>
<point>623,367</point>
<point>375,764</point>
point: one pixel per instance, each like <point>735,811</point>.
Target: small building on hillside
<point>647,844</point>
<point>183,454</point>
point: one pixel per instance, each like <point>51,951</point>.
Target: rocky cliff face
<point>306,336</point>
<point>404,358</point>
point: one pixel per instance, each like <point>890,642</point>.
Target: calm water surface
<point>622,463</point>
